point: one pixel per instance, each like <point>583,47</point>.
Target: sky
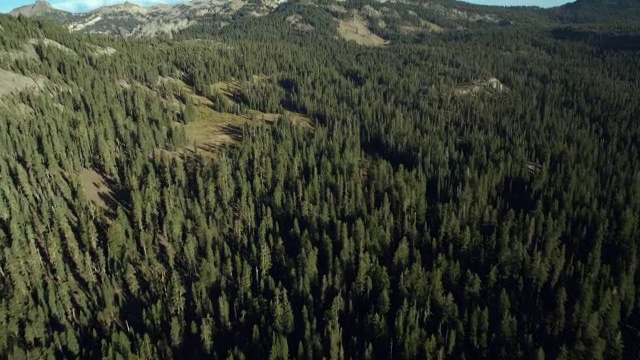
<point>85,5</point>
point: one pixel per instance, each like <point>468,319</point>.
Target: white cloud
<point>86,5</point>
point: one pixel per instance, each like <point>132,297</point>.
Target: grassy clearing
<point>356,29</point>
<point>100,191</point>
<point>213,129</point>
<point>233,89</point>
<point>229,89</point>
<point>431,26</point>
<point>13,83</point>
<point>269,118</point>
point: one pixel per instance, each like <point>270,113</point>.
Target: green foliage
<point>410,222</point>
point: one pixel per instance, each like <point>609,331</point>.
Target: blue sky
<point>84,5</point>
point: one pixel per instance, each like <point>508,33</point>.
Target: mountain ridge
<point>39,7</point>
<point>130,20</point>
<point>127,19</point>
<point>44,5</point>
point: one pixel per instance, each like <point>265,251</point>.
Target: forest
<point>420,214</point>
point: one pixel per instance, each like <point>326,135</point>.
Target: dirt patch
<point>186,90</point>
<point>227,88</point>
<point>24,110</point>
<point>12,83</point>
<point>431,26</point>
<point>232,90</point>
<point>213,130</point>
<point>31,52</point>
<point>270,118</point>
<point>55,44</point>
<point>409,29</point>
<point>356,29</point>
<point>236,5</point>
<point>425,26</point>
<point>28,53</point>
<point>124,84</point>
<point>98,190</point>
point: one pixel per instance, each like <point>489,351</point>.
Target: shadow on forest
<point>517,193</point>
<point>212,148</point>
<point>290,87</point>
<point>114,196</point>
<point>355,77</point>
<point>612,41</point>
<point>234,132</point>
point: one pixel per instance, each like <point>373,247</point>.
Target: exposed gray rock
<point>12,83</point>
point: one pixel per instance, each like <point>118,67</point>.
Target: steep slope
<point>128,19</point>
<point>38,9</point>
<point>613,12</point>
<point>43,10</point>
<point>399,20</point>
<point>381,19</point>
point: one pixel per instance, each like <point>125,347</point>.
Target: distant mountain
<point>605,4</point>
<point>403,18</point>
<point>614,12</point>
<point>128,19</point>
<point>42,9</point>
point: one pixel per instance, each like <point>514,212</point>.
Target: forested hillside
<point>267,189</point>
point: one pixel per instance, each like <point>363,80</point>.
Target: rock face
<point>33,10</point>
<point>12,83</point>
<point>298,23</point>
<point>129,19</point>
<point>380,17</point>
<point>40,8</point>
<point>491,85</point>
<point>49,42</point>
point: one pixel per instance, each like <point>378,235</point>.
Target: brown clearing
<point>97,190</point>
<point>13,83</point>
<point>431,26</point>
<point>213,129</point>
<point>424,26</point>
<point>356,29</point>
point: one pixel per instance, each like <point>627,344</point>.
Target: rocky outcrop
<point>40,8</point>
<point>12,83</point>
<point>491,85</point>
